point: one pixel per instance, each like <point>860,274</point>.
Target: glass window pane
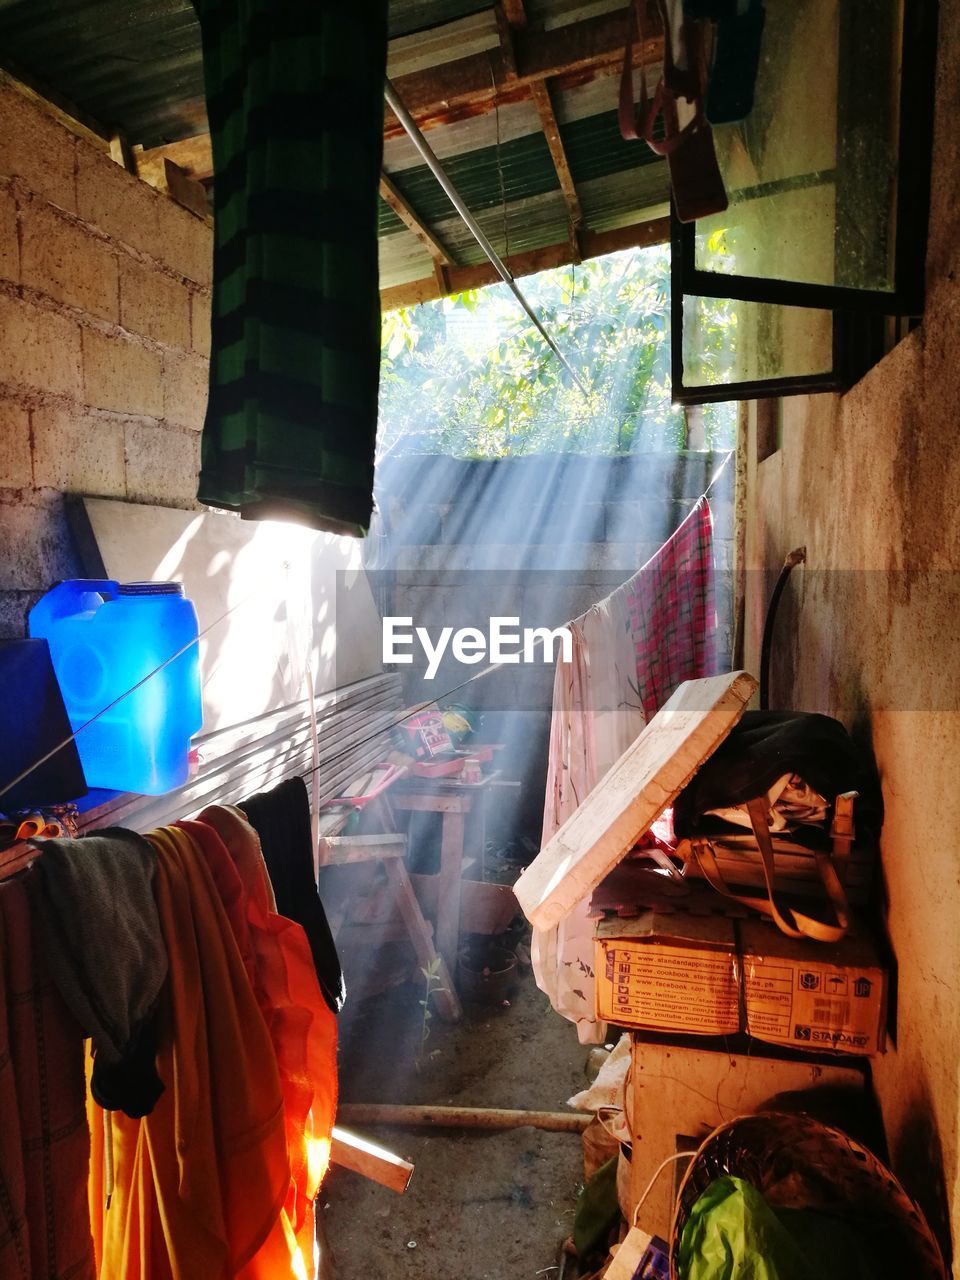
<point>726,341</point>
<point>811,172</point>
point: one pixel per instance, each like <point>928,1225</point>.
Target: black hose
<point>794,558</point>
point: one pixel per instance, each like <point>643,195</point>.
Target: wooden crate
<point>679,1091</point>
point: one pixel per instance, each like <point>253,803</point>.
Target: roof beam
<point>572,54</point>
<point>515,13</point>
<point>593,244</point>
<point>412,220</point>
<point>467,87</point>
<point>512,17</point>
<point>551,131</point>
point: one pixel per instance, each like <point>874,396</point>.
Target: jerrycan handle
<point>68,598</point>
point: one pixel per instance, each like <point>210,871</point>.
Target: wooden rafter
<point>515,13</point>
<point>411,219</point>
<point>467,87</point>
<point>593,244</point>
<point>571,54</point>
<point>540,93</point>
<point>512,18</point>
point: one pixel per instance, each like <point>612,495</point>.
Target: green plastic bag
<point>733,1234</point>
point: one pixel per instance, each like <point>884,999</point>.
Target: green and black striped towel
<point>295,103</point>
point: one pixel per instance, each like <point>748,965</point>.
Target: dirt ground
<point>481,1205</point>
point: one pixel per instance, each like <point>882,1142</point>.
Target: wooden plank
<point>647,777</point>
<point>445,995</point>
<point>419,802</point>
<point>370,1160</point>
<point>449,888</point>
<point>340,851</point>
<point>120,152</point>
<point>505,36</point>
<point>412,220</point>
<point>462,1117</point>
<point>540,92</point>
<point>167,176</point>
<point>592,244</point>
<point>515,13</point>
<point>237,761</point>
<point>466,87</point>
<point>193,155</point>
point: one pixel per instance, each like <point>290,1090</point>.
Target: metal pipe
<point>415,134</point>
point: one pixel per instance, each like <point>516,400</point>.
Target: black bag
<point>761,748</point>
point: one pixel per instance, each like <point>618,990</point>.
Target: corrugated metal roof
<point>523,166</point>
<point>136,65</point>
<point>131,65</point>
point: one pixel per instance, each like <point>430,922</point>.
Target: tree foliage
<point>470,375</point>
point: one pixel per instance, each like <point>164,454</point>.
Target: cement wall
<point>868,483</point>
<point>541,538</point>
<point>104,344</point>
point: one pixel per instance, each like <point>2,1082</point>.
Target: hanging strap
<point>637,121</point>
<point>794,923</point>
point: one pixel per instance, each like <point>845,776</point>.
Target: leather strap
<point>638,121</point>
<point>793,923</point>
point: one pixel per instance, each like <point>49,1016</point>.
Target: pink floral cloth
<point>630,651</point>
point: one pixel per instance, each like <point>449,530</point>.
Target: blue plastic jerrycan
<point>104,638</point>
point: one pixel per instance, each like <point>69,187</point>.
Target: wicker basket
<point>796,1161</point>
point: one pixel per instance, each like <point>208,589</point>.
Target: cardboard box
<point>666,971</point>
<point>813,995</point>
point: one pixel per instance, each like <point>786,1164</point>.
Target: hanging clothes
<point>44,1143</point>
<point>101,932</point>
<point>201,1182</point>
<point>295,106</point>
<point>303,1029</point>
<point>629,653</point>
<point>281,819</point>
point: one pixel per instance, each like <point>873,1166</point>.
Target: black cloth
<point>281,818</point>
<point>131,1085</point>
<point>764,746</point>
<point>101,930</point>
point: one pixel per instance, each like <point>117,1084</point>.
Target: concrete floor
<point>481,1206</point>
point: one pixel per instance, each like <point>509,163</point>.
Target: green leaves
<point>471,376</point>
<point>432,985</point>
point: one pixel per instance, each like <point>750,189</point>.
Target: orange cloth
<point>302,1027</point>
<point>201,1181</point>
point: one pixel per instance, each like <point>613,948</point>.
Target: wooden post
<point>445,996</point>
<point>462,1117</point>
<point>448,900</point>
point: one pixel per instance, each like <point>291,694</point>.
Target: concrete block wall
<point>540,537</point>
<point>868,632</point>
<point>104,344</point>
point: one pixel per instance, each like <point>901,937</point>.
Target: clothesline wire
<point>409,711</point>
